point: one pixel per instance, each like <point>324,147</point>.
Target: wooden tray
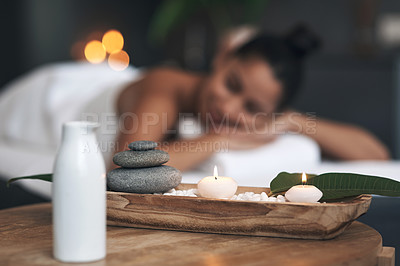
<point>289,220</point>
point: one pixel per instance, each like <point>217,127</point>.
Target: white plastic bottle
<point>79,196</point>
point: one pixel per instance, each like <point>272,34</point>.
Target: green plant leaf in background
<point>253,10</point>
<point>167,16</point>
<point>172,13</point>
<point>44,177</point>
<point>339,185</point>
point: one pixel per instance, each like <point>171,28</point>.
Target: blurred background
<point>354,78</point>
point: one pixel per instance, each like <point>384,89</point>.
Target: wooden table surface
<point>26,239</point>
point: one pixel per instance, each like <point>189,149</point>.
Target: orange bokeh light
<point>118,60</point>
<point>113,41</point>
<point>95,52</point>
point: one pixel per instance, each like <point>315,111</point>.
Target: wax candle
<point>303,193</point>
<point>217,186</point>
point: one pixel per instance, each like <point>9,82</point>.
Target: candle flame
<point>215,172</point>
<point>303,178</point>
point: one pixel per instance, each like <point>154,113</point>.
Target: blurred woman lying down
<point>243,103</point>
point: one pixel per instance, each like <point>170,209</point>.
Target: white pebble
<point>281,200</point>
<point>264,196</point>
<point>245,197</point>
<point>256,197</point>
<point>272,199</point>
<point>249,196</point>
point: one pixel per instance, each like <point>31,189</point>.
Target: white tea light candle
<point>304,193</point>
<point>215,186</point>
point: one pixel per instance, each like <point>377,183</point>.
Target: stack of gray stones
<point>141,170</point>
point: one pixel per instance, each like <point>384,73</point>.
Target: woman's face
<point>240,92</point>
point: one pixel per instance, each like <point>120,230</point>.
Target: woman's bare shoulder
<point>159,82</point>
<point>169,75</point>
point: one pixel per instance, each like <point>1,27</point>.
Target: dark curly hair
<point>284,54</point>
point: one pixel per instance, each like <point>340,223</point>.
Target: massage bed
<point>34,106</point>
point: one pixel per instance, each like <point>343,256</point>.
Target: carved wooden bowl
<point>288,219</point>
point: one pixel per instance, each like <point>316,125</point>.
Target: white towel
<point>34,107</point>
<point>289,152</point>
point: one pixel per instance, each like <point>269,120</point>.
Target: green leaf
<point>339,185</point>
<point>169,14</point>
<point>172,13</point>
<point>44,177</point>
<point>284,181</point>
<point>253,10</point>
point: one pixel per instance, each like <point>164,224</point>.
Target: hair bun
<point>302,41</point>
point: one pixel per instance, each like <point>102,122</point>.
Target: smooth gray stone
<point>139,159</point>
<point>142,145</point>
<point>146,180</point>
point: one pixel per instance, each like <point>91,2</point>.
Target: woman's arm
<point>338,140</point>
<point>155,114</point>
<point>186,154</point>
